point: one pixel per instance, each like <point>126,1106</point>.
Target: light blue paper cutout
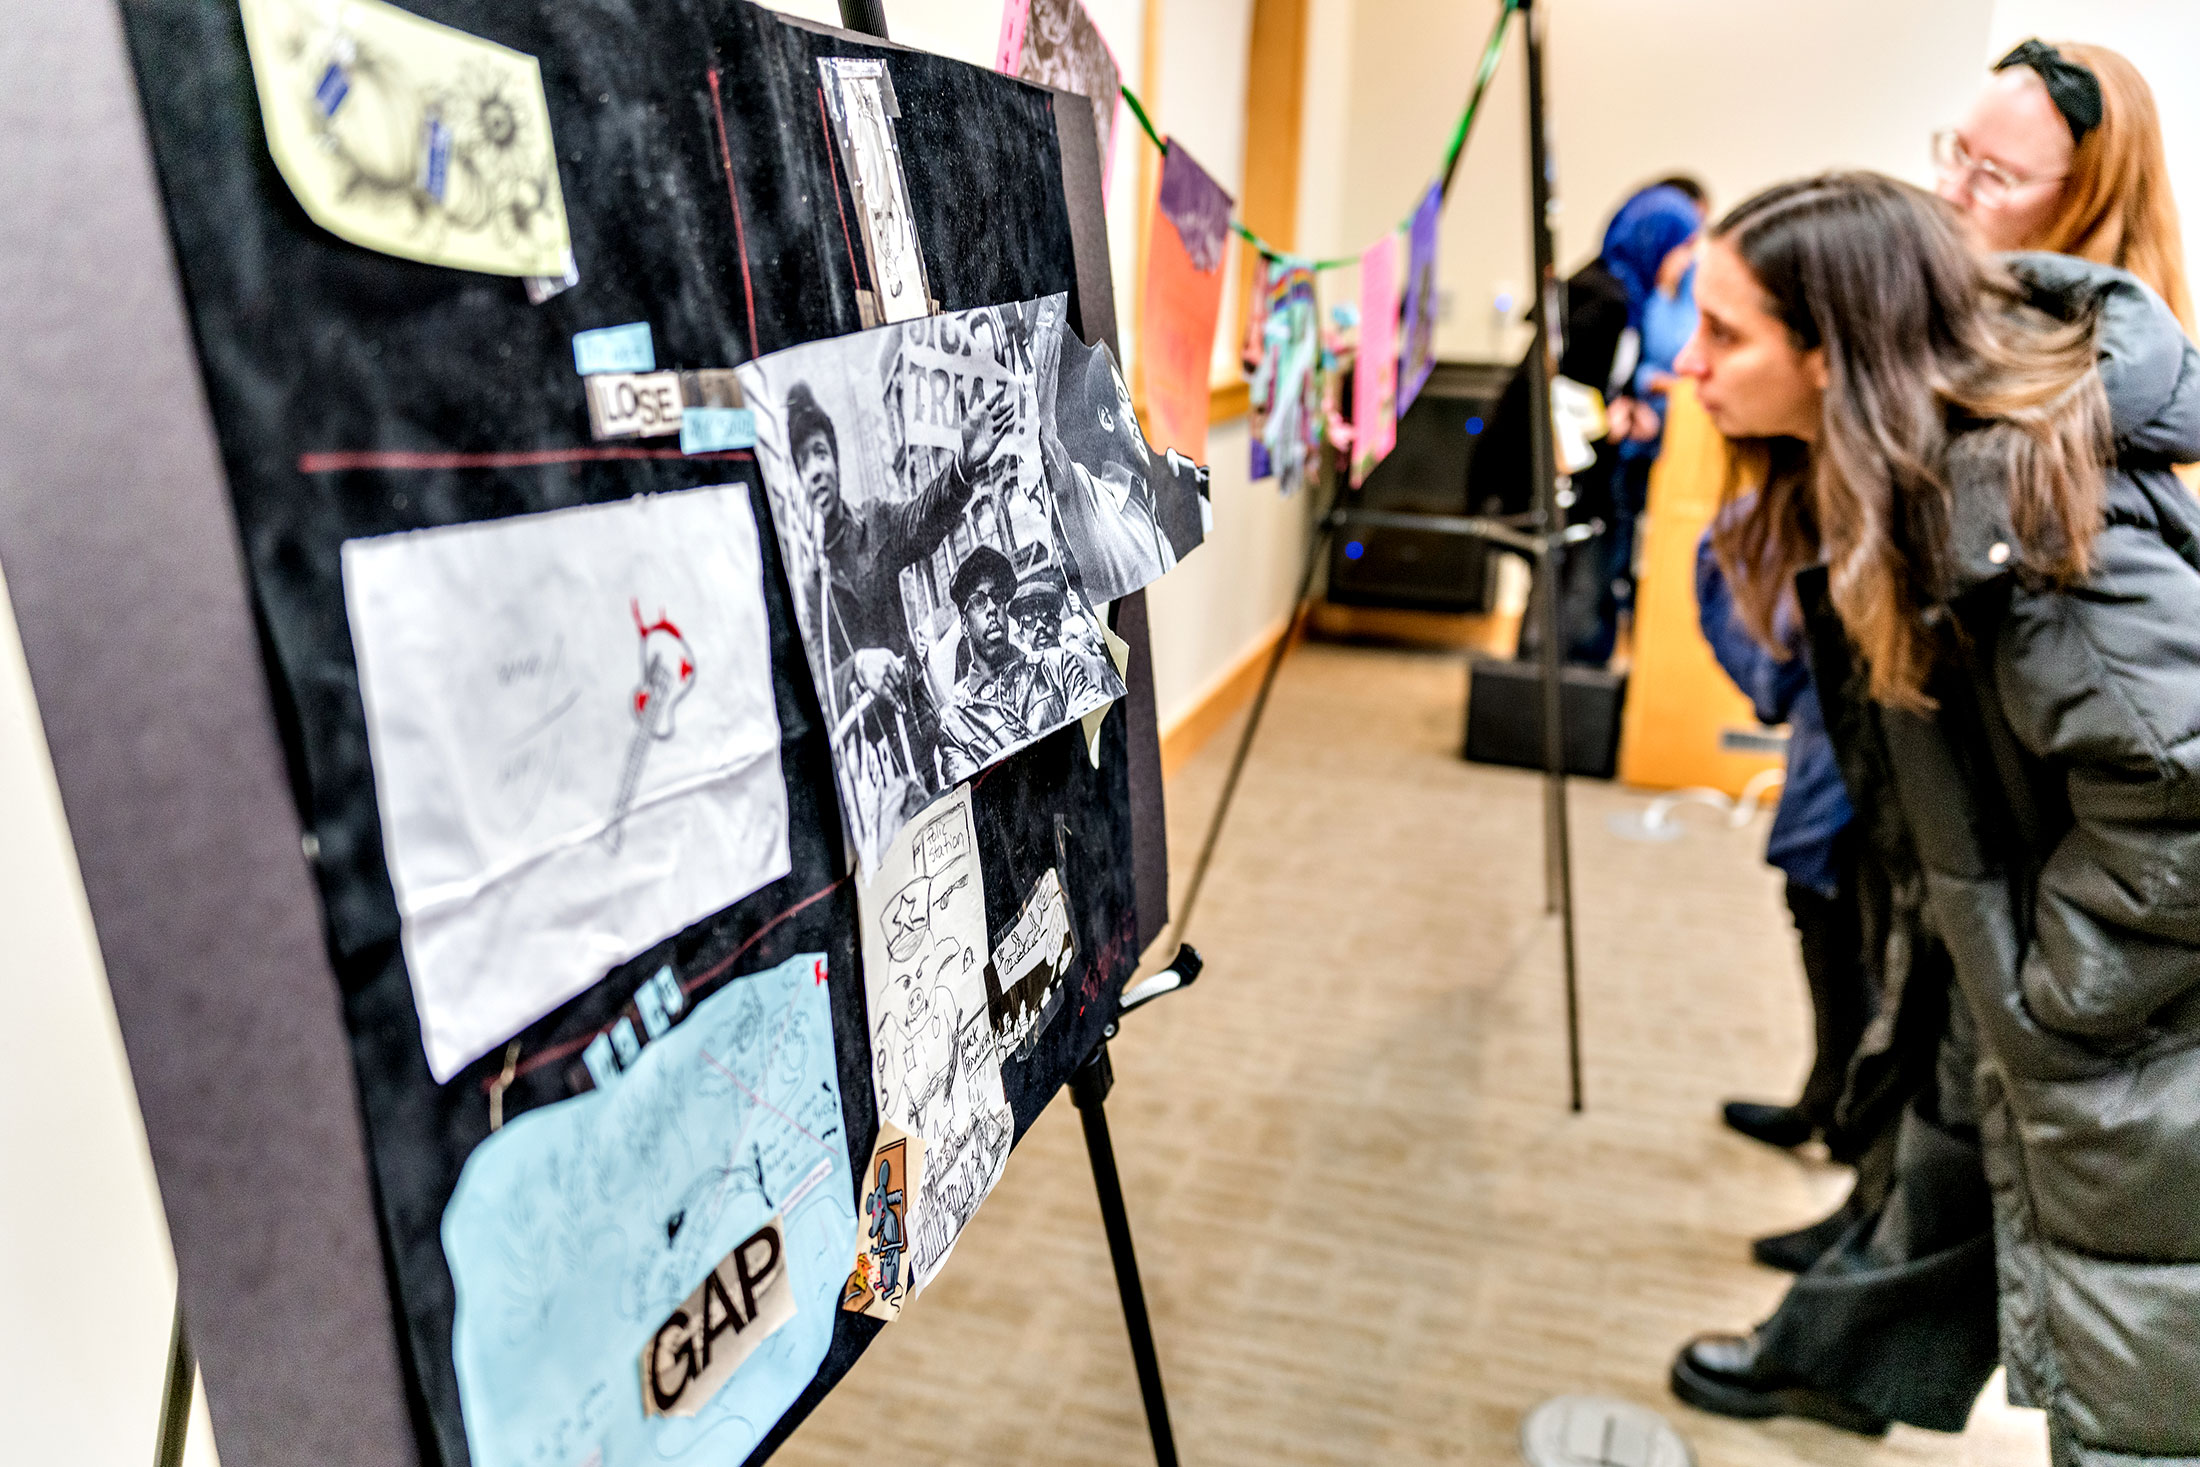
<point>579,1227</point>
<point>716,429</point>
<point>603,1066</point>
<point>626,348</point>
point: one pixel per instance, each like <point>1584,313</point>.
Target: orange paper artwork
<point>1184,258</point>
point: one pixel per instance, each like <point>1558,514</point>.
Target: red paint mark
<point>687,668</point>
<point>574,1046</point>
<point>341,461</point>
<point>641,700</point>
<point>760,1100</point>
<point>818,968</point>
<point>832,164</point>
<point>740,236</point>
<point>663,623</point>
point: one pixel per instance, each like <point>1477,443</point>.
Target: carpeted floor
<point>1370,1230</point>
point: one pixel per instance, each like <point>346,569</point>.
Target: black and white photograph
<point>915,515</point>
<point>1127,513</point>
<point>859,97</point>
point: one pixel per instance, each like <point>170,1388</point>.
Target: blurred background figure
<point>1608,303</point>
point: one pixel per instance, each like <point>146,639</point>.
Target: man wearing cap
<point>866,636</point>
<point>1008,697</point>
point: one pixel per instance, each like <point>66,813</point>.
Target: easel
<point>1541,545</point>
<point>1091,1081</point>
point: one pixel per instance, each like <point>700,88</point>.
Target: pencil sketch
<point>520,769</point>
<point>580,1232</point>
<point>859,97</point>
<point>935,1066</point>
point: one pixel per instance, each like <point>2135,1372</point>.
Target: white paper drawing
<point>576,1231</point>
<point>575,745</point>
<point>935,1067</point>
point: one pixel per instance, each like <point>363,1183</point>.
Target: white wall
<point>2162,38</point>
<point>1741,92</point>
<point>86,1279</point>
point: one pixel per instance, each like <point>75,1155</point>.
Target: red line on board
<point>572,1047</point>
<point>760,1100</point>
<point>338,460</point>
<point>833,164</point>
<point>740,236</point>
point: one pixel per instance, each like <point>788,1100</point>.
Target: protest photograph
<point>905,475</point>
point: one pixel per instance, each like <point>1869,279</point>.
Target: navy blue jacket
<point>1814,803</point>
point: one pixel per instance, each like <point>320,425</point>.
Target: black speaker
<point>1505,716</point>
<point>1426,473</point>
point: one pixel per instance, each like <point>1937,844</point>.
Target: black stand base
<point>1089,1087</point>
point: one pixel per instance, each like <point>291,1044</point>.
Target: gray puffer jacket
<point>2054,800</point>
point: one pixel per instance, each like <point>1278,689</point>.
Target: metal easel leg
<point>1089,1088</point>
<point>1543,367</point>
<point>175,1395</point>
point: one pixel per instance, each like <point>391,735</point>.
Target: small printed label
<point>738,1306</point>
<point>603,1065</point>
<point>621,405</point>
<point>626,1043</point>
<point>711,387</point>
<point>614,349</point>
<point>716,429</point>
<point>668,990</point>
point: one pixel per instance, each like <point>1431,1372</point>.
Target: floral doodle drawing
<point>410,137</point>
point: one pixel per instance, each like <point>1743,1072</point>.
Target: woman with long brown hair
<point>1963,487</point>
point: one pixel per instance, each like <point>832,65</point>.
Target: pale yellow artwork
<point>409,137</point>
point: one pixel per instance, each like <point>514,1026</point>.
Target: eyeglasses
<point>983,595</point>
<point>1991,184</point>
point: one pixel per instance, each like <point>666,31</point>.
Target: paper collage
<point>905,475</point>
<point>1025,976</point>
<point>1417,349</point>
<point>935,1063</point>
<point>575,745</point>
<point>859,97</point>
<point>1184,277</point>
<point>650,1272</point>
<point>1375,381</point>
<point>1055,43</point>
<point>880,1282</point>
<point>409,137</point>
<point>1286,386</point>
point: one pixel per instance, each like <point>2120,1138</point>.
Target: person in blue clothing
<point>1813,844</point>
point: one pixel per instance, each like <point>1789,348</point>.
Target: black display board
<point>356,394</point>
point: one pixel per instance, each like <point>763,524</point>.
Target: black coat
<point>1500,476</point>
<point>2052,811</point>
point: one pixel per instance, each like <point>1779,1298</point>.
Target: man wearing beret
<point>1008,697</point>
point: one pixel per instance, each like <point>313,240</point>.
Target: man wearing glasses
<point>1008,697</point>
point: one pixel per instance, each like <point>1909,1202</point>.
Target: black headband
<point>2075,91</point>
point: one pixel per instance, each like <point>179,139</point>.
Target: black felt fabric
<point>705,199</point>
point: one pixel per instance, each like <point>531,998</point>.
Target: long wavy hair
<point>1930,349</point>
<point>2117,208</point>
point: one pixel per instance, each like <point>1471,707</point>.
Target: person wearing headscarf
<point>1605,307</point>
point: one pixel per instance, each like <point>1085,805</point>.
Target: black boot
<point>1724,1374</point>
<point>1784,1126</point>
<point>1795,1252</point>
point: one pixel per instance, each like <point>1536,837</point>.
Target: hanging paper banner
<point>1417,352</point>
<point>1054,42</point>
<point>409,137</point>
<point>1375,384</point>
<point>1184,256</point>
<point>1287,386</point>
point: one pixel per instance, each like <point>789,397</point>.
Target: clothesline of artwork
<point>1487,68</point>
